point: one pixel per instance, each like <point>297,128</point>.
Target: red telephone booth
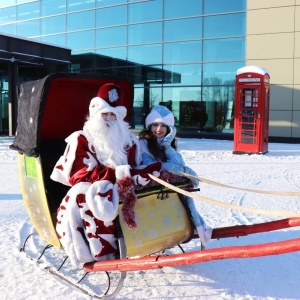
<point>251,115</point>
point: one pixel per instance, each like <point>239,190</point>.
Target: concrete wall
<point>273,42</point>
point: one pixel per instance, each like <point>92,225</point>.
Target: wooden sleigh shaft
<point>160,261</point>
<point>157,262</point>
<point>243,230</point>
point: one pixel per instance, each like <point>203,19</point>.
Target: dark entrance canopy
<point>22,60</point>
<point>16,49</point>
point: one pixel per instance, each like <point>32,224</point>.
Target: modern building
<point>183,54</point>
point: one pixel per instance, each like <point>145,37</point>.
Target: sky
<point>269,277</point>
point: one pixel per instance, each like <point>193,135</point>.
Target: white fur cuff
<point>122,171</point>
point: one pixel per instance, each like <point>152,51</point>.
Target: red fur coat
<point>85,220</point>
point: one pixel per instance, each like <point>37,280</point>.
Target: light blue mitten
<point>169,137</point>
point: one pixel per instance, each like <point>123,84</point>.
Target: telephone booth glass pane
<point>266,123</point>
<point>248,117</point>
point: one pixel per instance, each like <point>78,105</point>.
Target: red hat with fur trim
<point>109,98</point>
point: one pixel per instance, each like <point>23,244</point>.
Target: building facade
<point>273,41</point>
<point>183,54</point>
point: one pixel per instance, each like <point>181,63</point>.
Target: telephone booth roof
<point>252,69</point>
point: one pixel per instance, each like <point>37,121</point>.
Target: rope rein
<point>279,193</point>
<point>222,204</point>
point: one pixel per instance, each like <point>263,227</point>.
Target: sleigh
<point>163,220</point>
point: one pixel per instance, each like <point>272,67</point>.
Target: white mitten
<point>122,171</point>
<point>102,199</point>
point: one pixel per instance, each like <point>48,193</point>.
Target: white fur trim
<point>155,117</point>
<point>98,104</point>
<point>99,205</point>
<point>70,217</point>
<point>69,220</point>
<point>139,180</point>
<point>122,171</point>
<point>138,156</point>
<point>63,176</point>
<point>156,174</point>
<point>91,162</point>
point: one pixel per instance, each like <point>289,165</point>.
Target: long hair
<point>153,145</point>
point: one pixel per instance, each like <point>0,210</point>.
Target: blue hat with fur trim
<point>160,114</point>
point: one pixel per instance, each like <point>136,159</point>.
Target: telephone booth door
<point>251,118</point>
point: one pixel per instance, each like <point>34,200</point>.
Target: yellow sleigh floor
<point>161,224</point>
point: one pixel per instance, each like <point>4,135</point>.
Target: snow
<point>270,277</point>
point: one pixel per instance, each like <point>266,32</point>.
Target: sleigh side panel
<point>161,224</point>
<point>34,197</point>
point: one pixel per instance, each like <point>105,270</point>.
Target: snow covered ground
<point>272,277</point>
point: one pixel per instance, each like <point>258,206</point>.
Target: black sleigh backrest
<point>52,108</point>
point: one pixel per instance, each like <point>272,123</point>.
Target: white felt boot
<point>204,233</point>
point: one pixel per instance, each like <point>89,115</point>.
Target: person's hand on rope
<point>140,176</point>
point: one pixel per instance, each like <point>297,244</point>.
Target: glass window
<point>152,75</point>
<point>184,29</point>
<point>28,11</point>
<point>52,7</point>
<point>147,55</point>
<point>137,119</point>
<point>224,72</point>
<point>184,114</point>
<point>155,96</point>
<point>7,15</point>
<point>80,21</point>
<point>111,67</point>
<point>145,11</point>
<point>74,40</point>
<point>186,94</point>
<point>180,8</point>
<point>9,29</point>
<point>224,25</point>
<point>73,5</point>
<point>183,74</point>
<point>53,25</point>
<point>119,52</point>
<point>4,117</point>
<point>5,3</point>
<point>110,16</point>
<point>213,90</point>
<point>102,3</point>
<point>29,28</point>
<point>145,33</point>
<point>139,110</point>
<point>182,52</point>
<point>115,36</point>
<point>138,97</point>
<point>23,1</point>
<point>224,49</point>
<point>144,99</point>
<point>57,39</point>
<point>218,6</point>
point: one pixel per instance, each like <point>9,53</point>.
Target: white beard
<point>109,140</point>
